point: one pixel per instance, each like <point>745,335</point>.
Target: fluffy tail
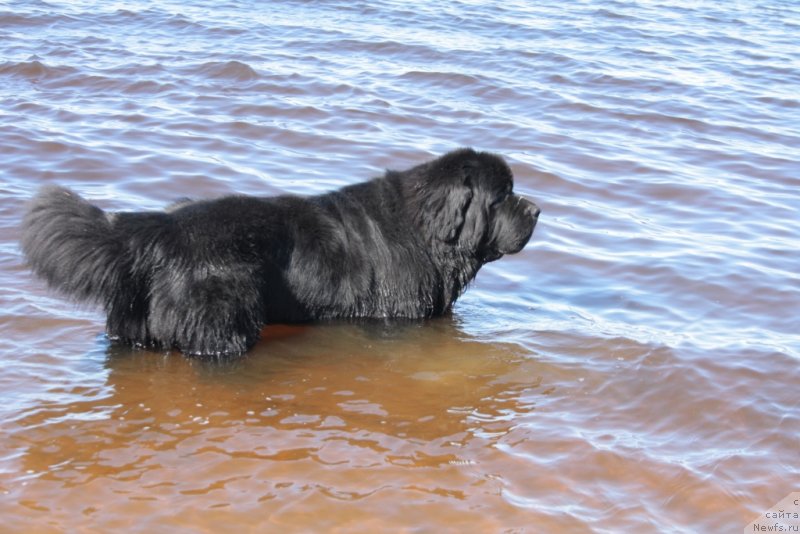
<point>71,244</point>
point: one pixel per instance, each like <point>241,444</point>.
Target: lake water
<point>635,369</point>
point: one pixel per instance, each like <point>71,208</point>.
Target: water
<point>635,368</point>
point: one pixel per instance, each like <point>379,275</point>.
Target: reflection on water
<point>633,369</point>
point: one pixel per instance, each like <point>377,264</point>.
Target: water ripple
<point>634,367</point>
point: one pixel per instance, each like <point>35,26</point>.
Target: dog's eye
<point>501,198</point>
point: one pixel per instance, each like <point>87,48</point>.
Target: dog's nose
<point>532,208</point>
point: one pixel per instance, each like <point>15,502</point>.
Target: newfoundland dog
<point>205,276</point>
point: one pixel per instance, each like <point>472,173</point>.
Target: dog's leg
<point>206,314</point>
<point>225,331</point>
<point>127,318</point>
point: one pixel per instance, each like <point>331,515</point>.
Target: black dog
<point>205,276</point>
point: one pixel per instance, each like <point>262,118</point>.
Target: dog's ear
<point>451,210</point>
<point>445,193</point>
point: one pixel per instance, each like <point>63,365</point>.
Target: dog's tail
<point>72,245</point>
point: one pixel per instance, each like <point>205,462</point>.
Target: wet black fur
<point>205,276</point>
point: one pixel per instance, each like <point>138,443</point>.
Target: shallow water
<point>635,368</point>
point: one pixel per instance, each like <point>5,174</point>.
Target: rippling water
<point>635,368</point>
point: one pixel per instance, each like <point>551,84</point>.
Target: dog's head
<point>465,200</point>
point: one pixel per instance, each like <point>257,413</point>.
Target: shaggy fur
<point>205,276</point>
